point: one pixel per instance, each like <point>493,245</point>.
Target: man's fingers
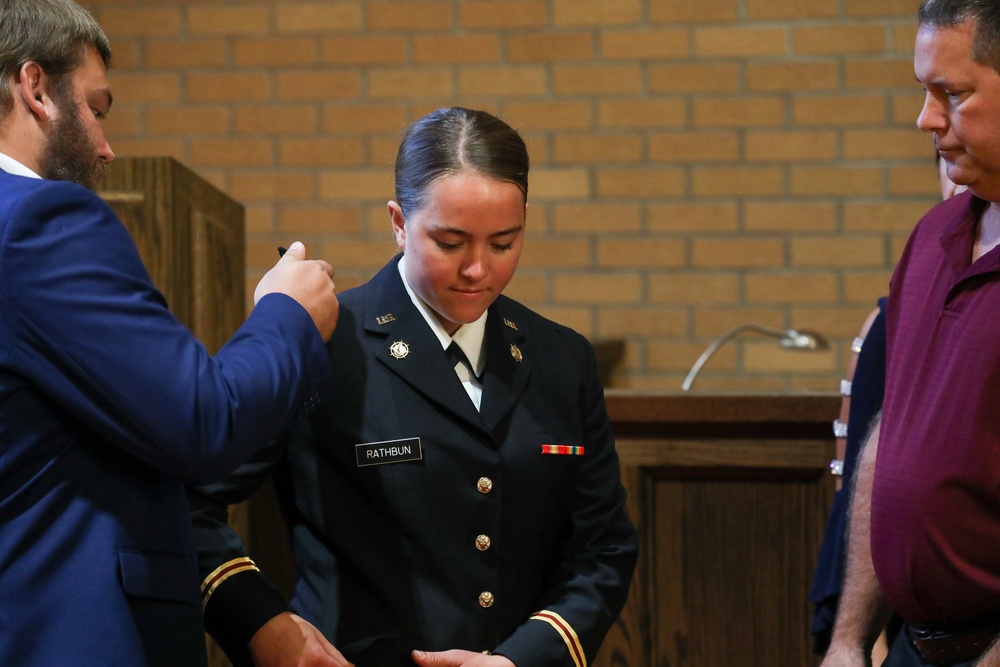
<point>296,250</point>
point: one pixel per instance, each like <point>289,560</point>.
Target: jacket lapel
<point>508,364</point>
<point>405,345</point>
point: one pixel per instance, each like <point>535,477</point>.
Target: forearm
<point>992,657</point>
<point>862,612</point>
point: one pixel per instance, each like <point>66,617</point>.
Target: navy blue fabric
<point>867,389</point>
<point>107,405</point>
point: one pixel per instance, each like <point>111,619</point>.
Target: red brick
<point>457,49</point>
<point>693,146</point>
<point>411,15</point>
<point>228,20</point>
<point>641,252</point>
<point>595,79</point>
<point>640,182</point>
<point>645,44</point>
<point>689,78</point>
<point>597,148</point>
<point>740,41</point>
<point>671,11</point>
<point>321,152</point>
<point>503,13</point>
<point>641,113</point>
<point>693,218</point>
<point>598,13</point>
<point>730,181</point>
<point>548,47</point>
<point>317,17</point>
<point>281,119</point>
<point>274,52</point>
<point>364,50</point>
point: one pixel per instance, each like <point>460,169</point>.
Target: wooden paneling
<point>190,237</point>
<point>730,496</point>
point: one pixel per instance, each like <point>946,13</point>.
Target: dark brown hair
<point>985,15</point>
<point>453,140</point>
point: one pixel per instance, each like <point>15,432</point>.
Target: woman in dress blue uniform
<point>456,499</point>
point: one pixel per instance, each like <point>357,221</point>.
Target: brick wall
<point>696,165</point>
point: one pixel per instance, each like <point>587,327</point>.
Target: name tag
<point>388,451</point>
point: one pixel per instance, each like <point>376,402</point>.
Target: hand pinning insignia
<point>510,324</point>
<point>399,349</point>
<point>385,319</point>
<point>516,353</point>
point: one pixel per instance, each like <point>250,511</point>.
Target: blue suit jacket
<point>422,552</point>
<point>107,406</point>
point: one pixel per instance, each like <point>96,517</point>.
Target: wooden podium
<point>730,495</point>
<point>190,236</point>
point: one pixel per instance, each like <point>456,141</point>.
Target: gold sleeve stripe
<point>222,573</point>
<point>565,631</point>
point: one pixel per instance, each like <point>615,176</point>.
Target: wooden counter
<point>730,496</point>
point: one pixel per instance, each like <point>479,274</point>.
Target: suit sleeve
<point>86,327</point>
<point>236,597</point>
<point>589,576</point>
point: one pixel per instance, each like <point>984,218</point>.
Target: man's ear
<point>33,85</point>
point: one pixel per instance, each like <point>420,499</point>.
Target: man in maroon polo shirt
<point>925,519</point>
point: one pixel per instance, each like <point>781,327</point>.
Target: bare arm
<point>991,658</point>
<point>863,612</point>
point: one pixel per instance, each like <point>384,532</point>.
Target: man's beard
<point>69,154</point>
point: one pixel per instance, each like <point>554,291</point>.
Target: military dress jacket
<point>419,523</point>
<point>108,405</point>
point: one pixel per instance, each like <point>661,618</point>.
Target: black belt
<point>944,646</point>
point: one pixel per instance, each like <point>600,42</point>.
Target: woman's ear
<point>32,83</point>
<point>398,224</point>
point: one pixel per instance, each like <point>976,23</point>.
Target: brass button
<point>485,485</point>
<point>482,542</point>
<point>486,599</point>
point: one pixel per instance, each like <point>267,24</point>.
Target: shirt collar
<point>469,336</point>
<point>12,166</point>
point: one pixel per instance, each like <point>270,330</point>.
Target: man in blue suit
<point>108,405</point>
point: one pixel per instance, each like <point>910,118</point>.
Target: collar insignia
<point>516,353</point>
<point>385,319</point>
<point>399,350</point>
<point>510,324</point>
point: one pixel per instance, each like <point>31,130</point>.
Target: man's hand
<point>310,282</point>
<point>846,656</point>
<point>288,640</point>
<point>457,658</point>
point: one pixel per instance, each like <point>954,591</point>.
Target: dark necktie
<point>456,356</point>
